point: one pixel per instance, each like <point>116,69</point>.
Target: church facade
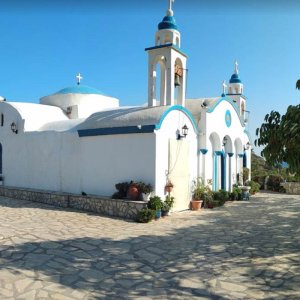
<point>80,140</point>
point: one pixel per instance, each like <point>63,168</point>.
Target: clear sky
<point>44,44</point>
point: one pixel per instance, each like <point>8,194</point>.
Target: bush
<point>273,183</point>
<point>122,189</point>
<point>169,201</point>
<point>155,203</point>
<point>237,192</point>
<point>254,187</point>
<point>145,215</point>
<point>260,180</point>
<point>221,196</point>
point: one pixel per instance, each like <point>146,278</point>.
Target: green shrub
<point>260,180</point>
<point>122,189</point>
<point>221,196</point>
<point>254,187</point>
<point>169,201</point>
<point>155,203</point>
<point>145,215</point>
<point>273,183</point>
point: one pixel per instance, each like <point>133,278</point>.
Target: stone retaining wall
<point>291,187</point>
<point>112,207</point>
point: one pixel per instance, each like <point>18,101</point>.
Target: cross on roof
<point>224,87</point>
<point>170,4</point>
<point>79,77</point>
<point>170,11</point>
<point>236,67</point>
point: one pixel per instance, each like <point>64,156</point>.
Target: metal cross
<point>79,77</point>
<point>236,69</point>
<point>170,4</point>
<point>224,87</point>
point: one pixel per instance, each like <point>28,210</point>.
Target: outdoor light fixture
<point>247,147</point>
<point>14,128</point>
<point>184,132</point>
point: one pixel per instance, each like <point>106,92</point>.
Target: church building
<point>81,140</point>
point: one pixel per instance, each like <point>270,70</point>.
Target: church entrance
<point>179,173</point>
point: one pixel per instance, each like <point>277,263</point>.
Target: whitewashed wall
<point>107,160</point>
<point>173,122</point>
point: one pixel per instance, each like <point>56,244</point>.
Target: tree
<point>281,137</point>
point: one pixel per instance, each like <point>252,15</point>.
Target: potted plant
<point>155,203</point>
<point>133,191</point>
<point>167,206</point>
<point>144,190</point>
<point>145,215</point>
<point>169,187</point>
<point>200,191</point>
<point>122,189</point>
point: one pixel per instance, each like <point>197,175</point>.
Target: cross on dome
<point>236,67</point>
<point>79,77</point>
<point>224,88</point>
<point>170,11</point>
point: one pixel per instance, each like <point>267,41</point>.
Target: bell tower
<point>236,90</point>
<point>166,65</point>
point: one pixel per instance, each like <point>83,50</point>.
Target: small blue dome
<point>235,79</point>
<point>79,89</point>
<point>168,22</point>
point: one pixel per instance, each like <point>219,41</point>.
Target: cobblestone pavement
<point>245,250</point>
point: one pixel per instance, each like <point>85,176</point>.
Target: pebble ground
<point>244,250</point>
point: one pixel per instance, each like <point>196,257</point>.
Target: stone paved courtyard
<point>245,250</point>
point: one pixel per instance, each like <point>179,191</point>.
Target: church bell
<point>177,80</point>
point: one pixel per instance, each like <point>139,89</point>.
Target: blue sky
<point>44,44</point>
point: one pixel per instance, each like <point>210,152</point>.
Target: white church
<point>80,140</point>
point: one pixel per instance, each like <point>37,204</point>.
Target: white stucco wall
<point>215,129</point>
<point>168,131</point>
<point>107,160</point>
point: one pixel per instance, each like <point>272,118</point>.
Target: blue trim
<point>215,159</point>
<point>219,152</point>
<point>203,151</point>
<point>228,118</point>
<point>230,154</point>
<point>223,171</point>
<point>240,155</point>
<point>182,109</point>
<point>166,46</point>
<point>245,160</point>
<point>116,130</point>
<point>158,47</point>
<point>211,109</point>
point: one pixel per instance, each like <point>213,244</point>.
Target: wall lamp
<point>184,132</point>
<point>14,127</point>
<point>247,146</point>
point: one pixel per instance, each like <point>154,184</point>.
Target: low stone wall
<point>112,207</point>
<point>291,187</point>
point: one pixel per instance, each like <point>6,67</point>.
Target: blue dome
<point>168,22</point>
<point>235,79</point>
<point>79,89</point>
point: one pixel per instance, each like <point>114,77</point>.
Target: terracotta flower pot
<point>196,204</point>
<point>168,187</point>
<point>133,192</point>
